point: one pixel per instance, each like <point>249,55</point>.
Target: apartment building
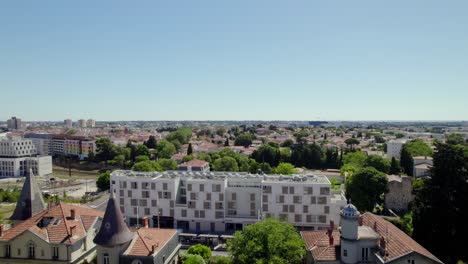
<point>18,157</point>
<point>394,148</point>
<point>67,123</point>
<point>223,202</point>
<point>14,123</point>
<point>82,123</point>
<point>67,145</point>
<point>91,123</point>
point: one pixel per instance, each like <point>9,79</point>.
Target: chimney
<point>72,229</point>
<point>375,225</point>
<point>153,248</point>
<point>332,225</point>
<point>72,214</point>
<point>145,222</point>
<point>383,246</point>
<point>330,239</point>
<point>1,230</point>
<point>360,220</point>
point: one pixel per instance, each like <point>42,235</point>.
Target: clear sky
<point>234,60</point>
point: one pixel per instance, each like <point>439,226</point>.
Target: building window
<point>365,253</point>
<point>55,252</point>
<point>202,187</point>
<point>7,251</point>
<point>105,258</point>
<point>32,250</point>
<point>345,252</point>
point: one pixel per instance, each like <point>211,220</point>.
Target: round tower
<point>349,233</point>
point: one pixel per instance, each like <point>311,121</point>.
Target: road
<point>99,204</point>
<point>76,190</point>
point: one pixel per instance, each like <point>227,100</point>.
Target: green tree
<point>91,157</point>
<point>226,143</point>
<point>365,188</point>
<point>187,158</point>
<point>105,149</point>
<point>243,139</point>
<point>192,259</point>
<point>221,260</point>
<point>300,135</point>
<point>414,148</point>
<point>168,164</point>
<point>454,139</point>
<point>287,143</point>
<point>267,153</point>
<point>141,158</point>
<point>165,149</point>
<point>151,143</point>
<point>378,162</point>
<point>442,199</point>
<point>350,142</point>
<point>267,241</point>
<point>357,158</point>
<point>225,164</point>
<point>119,160</point>
<point>142,150</point>
<point>379,139</point>
<point>103,181</point>
<point>394,167</point>
<point>147,166</point>
<point>399,135</point>
<point>189,149</point>
<point>285,168</point>
<point>182,135</point>
<point>201,250</point>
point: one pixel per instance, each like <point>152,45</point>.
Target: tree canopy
<point>414,148</point>
<point>244,139</point>
<point>103,181</point>
<point>267,241</point>
<point>201,250</point>
<point>285,168</point>
<point>443,199</point>
<point>365,188</point>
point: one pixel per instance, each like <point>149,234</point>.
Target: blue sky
<point>234,60</point>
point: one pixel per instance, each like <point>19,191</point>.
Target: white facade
<point>19,167</point>
<point>82,123</point>
<point>394,148</point>
<point>18,156</point>
<point>17,147</point>
<point>67,123</point>
<point>222,202</point>
<point>90,123</point>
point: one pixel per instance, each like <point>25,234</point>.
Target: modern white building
<point>82,123</point>
<point>394,147</point>
<point>67,123</point>
<point>223,202</point>
<point>18,156</point>
<point>91,123</point>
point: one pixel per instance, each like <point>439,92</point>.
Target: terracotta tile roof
<point>398,243</point>
<point>319,244</point>
<point>142,244</point>
<point>58,229</point>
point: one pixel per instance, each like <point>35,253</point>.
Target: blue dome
<point>350,211</point>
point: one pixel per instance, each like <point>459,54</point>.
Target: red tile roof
<point>318,243</point>
<point>58,230</point>
<point>398,244</point>
<point>146,238</point>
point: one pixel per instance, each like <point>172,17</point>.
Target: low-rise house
<point>58,233</point>
<point>422,166</point>
<point>118,244</point>
<point>365,238</point>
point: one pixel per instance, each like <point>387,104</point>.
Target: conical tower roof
<point>114,230</point>
<point>30,201</point>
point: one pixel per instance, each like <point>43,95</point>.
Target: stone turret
<point>30,201</point>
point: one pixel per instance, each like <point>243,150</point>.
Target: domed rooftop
<point>350,211</point>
